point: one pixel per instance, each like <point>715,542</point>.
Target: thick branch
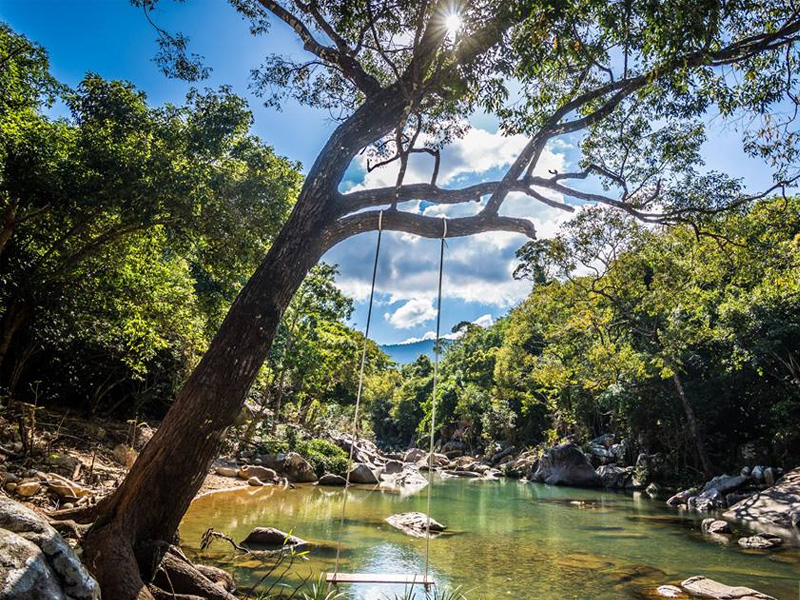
<point>348,65</point>
<point>429,227</point>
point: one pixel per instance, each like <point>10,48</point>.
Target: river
<point>505,538</point>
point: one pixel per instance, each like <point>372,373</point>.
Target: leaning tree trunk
<point>694,429</point>
<point>139,521</point>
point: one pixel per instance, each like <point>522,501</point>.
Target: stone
<point>769,476</point>
<point>413,455</point>
<point>255,482</point>
<point>297,469</point>
<point>681,498</point>
<point>361,473</point>
<point>37,562</point>
<point>762,541</point>
<point>392,467</point>
<point>745,472</point>
<point>332,480</point>
<point>708,588</point>
<point>669,591</point>
<point>715,526</point>
<point>226,471</point>
<point>773,506</point>
<point>613,477</point>
<point>408,481</point>
<point>63,462</point>
<point>10,487</point>
<point>414,524</point>
<point>566,465</point>
<point>28,488</point>
<point>262,473</point>
<point>269,536</point>
<point>725,483</point>
<point>653,490</point>
<point>709,500</point>
<point>757,474</point>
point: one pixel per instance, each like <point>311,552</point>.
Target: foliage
<point>324,456</point>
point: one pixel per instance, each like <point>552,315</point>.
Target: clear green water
<point>506,538</point>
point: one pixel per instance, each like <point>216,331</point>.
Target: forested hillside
<point>680,341</point>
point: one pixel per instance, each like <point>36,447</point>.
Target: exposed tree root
<point>177,575</point>
<point>84,515</point>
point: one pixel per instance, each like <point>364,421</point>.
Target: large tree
<point>632,80</point>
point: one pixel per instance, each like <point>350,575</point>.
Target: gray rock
<point>297,469</point>
<point>262,473</point>
<point>415,524</point>
<point>745,472</point>
<point>709,500</point>
<point>681,498</point>
<point>708,588</point>
<point>757,474</point>
<point>37,562</point>
<point>762,541</point>
<point>614,477</point>
<point>715,526</point>
<point>566,465</point>
<point>392,467</point>
<point>332,480</point>
<point>653,490</point>
<point>774,506</point>
<point>725,483</point>
<point>413,455</point>
<point>769,476</point>
<point>361,473</point>
<point>255,482</point>
<point>669,591</point>
<point>227,471</point>
<point>269,536</point>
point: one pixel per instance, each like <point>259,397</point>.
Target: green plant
<point>321,590</point>
<point>324,456</point>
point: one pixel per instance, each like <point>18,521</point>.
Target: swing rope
<point>354,437</point>
<point>433,399</point>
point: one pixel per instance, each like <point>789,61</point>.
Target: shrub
<point>324,456</point>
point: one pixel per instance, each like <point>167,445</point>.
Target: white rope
<point>354,438</point>
<point>433,402</point>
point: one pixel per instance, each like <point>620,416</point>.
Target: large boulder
<point>566,465</point>
<point>330,479</point>
<point>415,524</point>
<point>726,483</point>
<point>778,505</point>
<point>361,473</point>
<point>413,455</point>
<point>762,541</point>
<point>37,563</point>
<point>704,587</point>
<point>614,477</point>
<point>269,536</point>
<point>263,474</point>
<point>297,469</point>
<point>407,481</point>
<point>717,526</point>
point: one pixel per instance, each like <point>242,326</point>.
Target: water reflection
<point>516,539</point>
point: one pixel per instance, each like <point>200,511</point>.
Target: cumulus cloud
<point>414,312</point>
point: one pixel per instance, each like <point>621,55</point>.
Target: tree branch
<point>428,227</point>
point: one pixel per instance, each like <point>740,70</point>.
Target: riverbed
<point>504,538</point>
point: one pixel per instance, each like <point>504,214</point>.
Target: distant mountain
<point>404,354</point>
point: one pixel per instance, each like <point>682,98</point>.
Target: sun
<point>453,23</point>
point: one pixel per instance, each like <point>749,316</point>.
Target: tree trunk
<point>141,518</point>
<point>16,315</point>
<point>694,429</point>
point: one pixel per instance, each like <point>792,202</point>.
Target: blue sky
<point>112,38</point>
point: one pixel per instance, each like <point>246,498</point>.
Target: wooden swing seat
<point>402,578</point>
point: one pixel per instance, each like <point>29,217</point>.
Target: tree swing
<point>412,579</point>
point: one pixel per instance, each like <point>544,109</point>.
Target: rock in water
<point>269,536</point>
<point>566,465</point>
<point>261,473</point>
<point>37,563</point>
<point>361,473</point>
<point>332,480</point>
<point>762,541</point>
<point>708,588</point>
<point>297,469</point>
<point>715,526</point>
<point>414,523</point>
<point>670,591</point>
<point>774,506</point>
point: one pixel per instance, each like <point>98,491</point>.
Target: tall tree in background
<point>632,79</point>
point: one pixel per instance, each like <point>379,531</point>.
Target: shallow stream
<point>505,538</point>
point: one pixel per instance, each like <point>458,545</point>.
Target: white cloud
<point>483,321</point>
<point>414,312</point>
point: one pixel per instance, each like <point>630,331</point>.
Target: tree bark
<point>694,429</point>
